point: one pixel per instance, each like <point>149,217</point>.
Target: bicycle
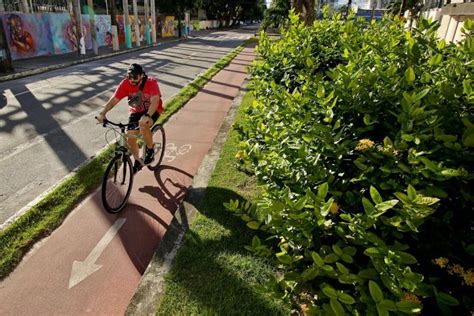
<point>118,177</point>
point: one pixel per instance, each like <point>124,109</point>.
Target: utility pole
<point>153,22</point>
<point>135,23</point>
<point>147,22</point>
<point>25,8</point>
<point>126,21</point>
<point>90,4</point>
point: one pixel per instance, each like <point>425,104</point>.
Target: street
<point>47,126</point>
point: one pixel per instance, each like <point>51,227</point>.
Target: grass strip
<point>212,273</point>
<point>48,214</point>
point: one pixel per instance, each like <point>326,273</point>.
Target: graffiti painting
<point>168,26</point>
<point>103,30</point>
<point>28,35</point>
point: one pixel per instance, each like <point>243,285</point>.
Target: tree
<point>399,7</point>
<point>231,12</point>
<point>178,8</point>
<point>276,14</point>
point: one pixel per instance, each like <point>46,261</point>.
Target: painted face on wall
<point>22,40</point>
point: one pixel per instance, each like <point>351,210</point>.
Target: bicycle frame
<point>122,146</point>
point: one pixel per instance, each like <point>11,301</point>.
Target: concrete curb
<point>76,62</point>
<point>151,287</point>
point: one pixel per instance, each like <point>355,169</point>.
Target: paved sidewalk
<point>114,251</point>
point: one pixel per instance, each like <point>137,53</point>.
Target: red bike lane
<point>93,263</point>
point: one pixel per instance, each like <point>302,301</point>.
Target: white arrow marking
<point>82,269</point>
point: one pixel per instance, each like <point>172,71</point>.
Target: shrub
<point>362,138</point>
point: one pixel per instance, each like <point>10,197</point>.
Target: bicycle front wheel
<point>159,143</point>
<point>117,183</point>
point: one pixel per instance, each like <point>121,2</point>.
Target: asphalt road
<point>47,125</point>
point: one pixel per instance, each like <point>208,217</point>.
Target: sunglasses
<point>133,77</point>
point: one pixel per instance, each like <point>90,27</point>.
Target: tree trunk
<point>402,4</point>
<point>113,12</point>
<point>305,9</point>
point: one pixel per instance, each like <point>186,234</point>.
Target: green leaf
<point>407,137</point>
<point>382,311</point>
<point>310,274</point>
<point>408,307</point>
<point>385,206</point>
<point>253,225</point>
<point>425,200</point>
<point>342,268</point>
<point>441,44</point>
<point>317,259</point>
<point>409,75</point>
<point>321,92</point>
<point>368,207</point>
<point>435,60</point>
<point>337,250</point>
<point>446,299</point>
<point>406,258</point>
<point>300,204</point>
<point>331,258</point>
<point>283,257</point>
<point>375,291</point>
<point>411,192</point>
<point>375,195</point>
<point>347,258</point>
<point>403,197</point>
<point>375,252</point>
<point>323,191</point>
<point>351,251</point>
<point>329,292</point>
<point>256,241</point>
<point>346,298</point>
<point>420,95</point>
<point>337,307</point>
<point>326,207</point>
<point>388,305</point>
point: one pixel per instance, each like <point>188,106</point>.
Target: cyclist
<point>145,106</point>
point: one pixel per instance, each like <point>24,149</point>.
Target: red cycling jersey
<point>151,88</point>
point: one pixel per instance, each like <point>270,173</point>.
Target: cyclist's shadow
<point>169,192</point>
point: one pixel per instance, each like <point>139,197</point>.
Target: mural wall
<point>28,35</point>
<point>31,35</point>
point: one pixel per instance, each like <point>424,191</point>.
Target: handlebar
<point>106,121</point>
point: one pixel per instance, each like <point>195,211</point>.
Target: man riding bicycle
<point>145,106</point>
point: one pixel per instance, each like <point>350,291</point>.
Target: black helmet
<point>135,69</point>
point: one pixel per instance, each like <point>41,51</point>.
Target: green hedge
<point>361,135</point>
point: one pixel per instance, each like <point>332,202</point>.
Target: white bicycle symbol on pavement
<point>172,151</point>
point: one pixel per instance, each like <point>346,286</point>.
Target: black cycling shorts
<point>135,117</point>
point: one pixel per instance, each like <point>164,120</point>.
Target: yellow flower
<point>238,156</point>
<point>455,269</point>
<point>364,144</point>
<point>441,261</point>
<point>411,298</point>
<point>469,277</point>
<point>334,208</point>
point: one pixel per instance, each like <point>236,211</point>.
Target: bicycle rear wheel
<point>117,183</point>
<point>159,143</point>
